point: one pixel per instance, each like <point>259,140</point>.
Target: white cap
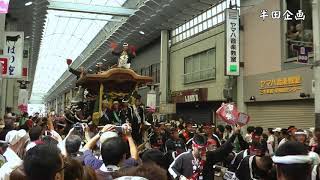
<point>15,136</point>
<point>277,130</point>
<point>107,135</point>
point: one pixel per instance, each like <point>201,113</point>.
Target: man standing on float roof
<point>125,56</point>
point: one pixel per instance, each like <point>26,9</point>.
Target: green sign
<point>233,68</point>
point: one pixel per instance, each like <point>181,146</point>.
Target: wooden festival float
<point>110,85</point>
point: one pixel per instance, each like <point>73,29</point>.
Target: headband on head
<point>198,145</point>
<point>292,159</point>
<point>300,133</point>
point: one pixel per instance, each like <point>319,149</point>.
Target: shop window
<point>191,23</point>
<point>204,16</point>
<point>200,67</point>
<point>200,27</point>
<point>220,18</point>
<point>219,8</point>
<point>209,23</point>
<point>187,25</point>
<point>188,33</point>
<point>205,25</point>
<point>214,11</point>
<point>299,35</point>
<point>208,19</point>
<point>199,19</point>
<point>209,13</point>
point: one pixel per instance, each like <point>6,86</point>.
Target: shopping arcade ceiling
<point>151,17</point>
<point>65,35</point>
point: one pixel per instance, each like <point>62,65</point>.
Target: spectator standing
<point>16,140</point>
<point>248,137</point>
<point>44,162</point>
<point>292,162</point>
<point>105,135</point>
<point>271,141</point>
<point>113,153</point>
<point>35,137</point>
<point>8,126</point>
<point>228,132</point>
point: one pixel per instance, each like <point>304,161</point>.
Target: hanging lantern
<point>69,61</point>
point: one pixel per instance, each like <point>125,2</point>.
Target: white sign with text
<point>13,49</point>
<point>232,65</point>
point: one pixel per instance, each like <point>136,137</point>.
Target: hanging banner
<point>4,6</point>
<point>14,44</point>
<point>232,63</point>
<point>23,100</point>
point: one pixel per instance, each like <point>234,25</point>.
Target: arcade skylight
<point>64,38</point>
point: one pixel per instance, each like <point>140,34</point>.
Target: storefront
<point>281,99</point>
<point>193,105</point>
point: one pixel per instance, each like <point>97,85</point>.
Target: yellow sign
<point>289,84</point>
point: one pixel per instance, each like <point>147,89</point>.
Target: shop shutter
<point>282,114</point>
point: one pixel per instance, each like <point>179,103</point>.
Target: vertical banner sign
<point>23,100</point>
<point>4,6</point>
<point>232,64</point>
<point>14,42</point>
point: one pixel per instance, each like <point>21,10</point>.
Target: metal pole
<point>3,82</point>
<point>316,68</point>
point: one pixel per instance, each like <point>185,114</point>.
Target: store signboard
<point>232,62</point>
<point>4,6</point>
<point>277,86</point>
<point>287,84</point>
<point>190,95</point>
<point>14,45</point>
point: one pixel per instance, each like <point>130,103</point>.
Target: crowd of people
<point>34,148</point>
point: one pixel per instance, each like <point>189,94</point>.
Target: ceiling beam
<point>94,19</point>
<point>92,9</point>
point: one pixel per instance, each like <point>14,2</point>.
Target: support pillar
<point>316,68</point>
<point>164,70</point>
<point>3,82</point>
<point>242,106</point>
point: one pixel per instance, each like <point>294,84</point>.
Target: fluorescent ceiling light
<point>141,32</point>
<point>104,60</point>
<point>28,3</point>
<point>27,37</point>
